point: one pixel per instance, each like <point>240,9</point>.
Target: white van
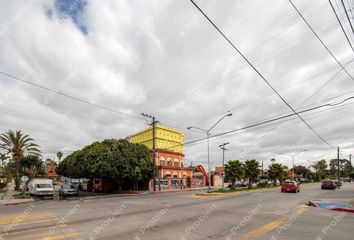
<point>41,187</point>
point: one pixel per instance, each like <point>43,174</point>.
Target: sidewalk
<point>7,199</point>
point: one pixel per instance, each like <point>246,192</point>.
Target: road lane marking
<point>263,229</point>
<point>15,217</point>
<point>32,230</point>
<point>28,220</point>
<point>61,236</point>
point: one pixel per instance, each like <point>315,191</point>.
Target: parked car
<point>68,190</point>
<point>246,184</point>
<point>237,184</point>
<point>328,184</point>
<point>41,187</point>
<point>290,186</point>
<point>263,183</point>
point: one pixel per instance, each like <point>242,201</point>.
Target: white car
<point>41,187</point>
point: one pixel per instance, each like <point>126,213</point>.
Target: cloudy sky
<point>162,57</point>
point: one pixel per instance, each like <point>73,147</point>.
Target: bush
<point>21,196</point>
<point>3,185</point>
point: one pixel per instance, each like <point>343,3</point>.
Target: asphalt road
<point>266,214</point>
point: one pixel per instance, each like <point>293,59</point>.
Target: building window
<point>162,162</point>
<point>169,164</point>
<point>176,164</point>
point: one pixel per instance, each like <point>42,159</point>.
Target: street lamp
<point>222,146</point>
<point>208,135</point>
<point>293,160</point>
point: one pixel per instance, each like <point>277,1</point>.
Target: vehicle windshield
<point>68,187</point>
<point>327,182</point>
<point>44,185</point>
<point>289,183</point>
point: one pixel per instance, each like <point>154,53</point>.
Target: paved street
<point>250,215</point>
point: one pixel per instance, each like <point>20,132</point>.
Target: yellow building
<point>169,157</point>
<point>165,138</point>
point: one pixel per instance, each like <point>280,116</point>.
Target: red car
<point>328,184</point>
<point>290,186</point>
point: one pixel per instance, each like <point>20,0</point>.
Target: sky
<point>162,57</point>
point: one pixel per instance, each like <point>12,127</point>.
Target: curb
<point>17,203</point>
<point>234,193</point>
<point>209,194</point>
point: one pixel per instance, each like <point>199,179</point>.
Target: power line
<point>328,50</point>
<point>346,14</point>
<point>333,104</point>
<point>211,116</point>
<point>260,74</point>
<point>71,97</point>
<point>344,22</point>
<point>340,23</point>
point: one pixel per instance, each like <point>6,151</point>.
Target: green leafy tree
<point>18,144</point>
<point>321,167</point>
<point>347,168</point>
<point>276,172</point>
<point>118,159</point>
<point>301,170</point>
<point>251,170</point>
<point>234,170</point>
<point>351,175</point>
<point>3,158</point>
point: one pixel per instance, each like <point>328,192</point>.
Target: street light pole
<point>222,146</point>
<point>208,136</point>
<point>293,172</point>
<point>293,161</point>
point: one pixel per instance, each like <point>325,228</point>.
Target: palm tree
<point>31,162</point>
<point>276,171</point>
<point>59,155</point>
<point>234,170</point>
<point>18,144</point>
<point>3,158</point>
<point>251,170</point>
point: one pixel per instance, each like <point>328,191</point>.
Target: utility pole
<point>153,123</point>
<point>338,164</point>
<point>350,159</point>
<point>222,146</point>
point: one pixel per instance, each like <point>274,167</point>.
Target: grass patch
<point>242,189</point>
<point>21,196</point>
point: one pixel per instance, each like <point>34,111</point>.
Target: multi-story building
<point>169,156</point>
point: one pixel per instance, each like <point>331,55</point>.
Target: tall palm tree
<point>31,162</point>
<point>251,170</point>
<point>234,170</point>
<point>59,155</point>
<point>3,158</point>
<point>18,144</point>
<point>276,171</point>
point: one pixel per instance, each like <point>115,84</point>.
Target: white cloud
<point>163,58</point>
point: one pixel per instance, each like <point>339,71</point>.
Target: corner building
<point>169,156</point>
